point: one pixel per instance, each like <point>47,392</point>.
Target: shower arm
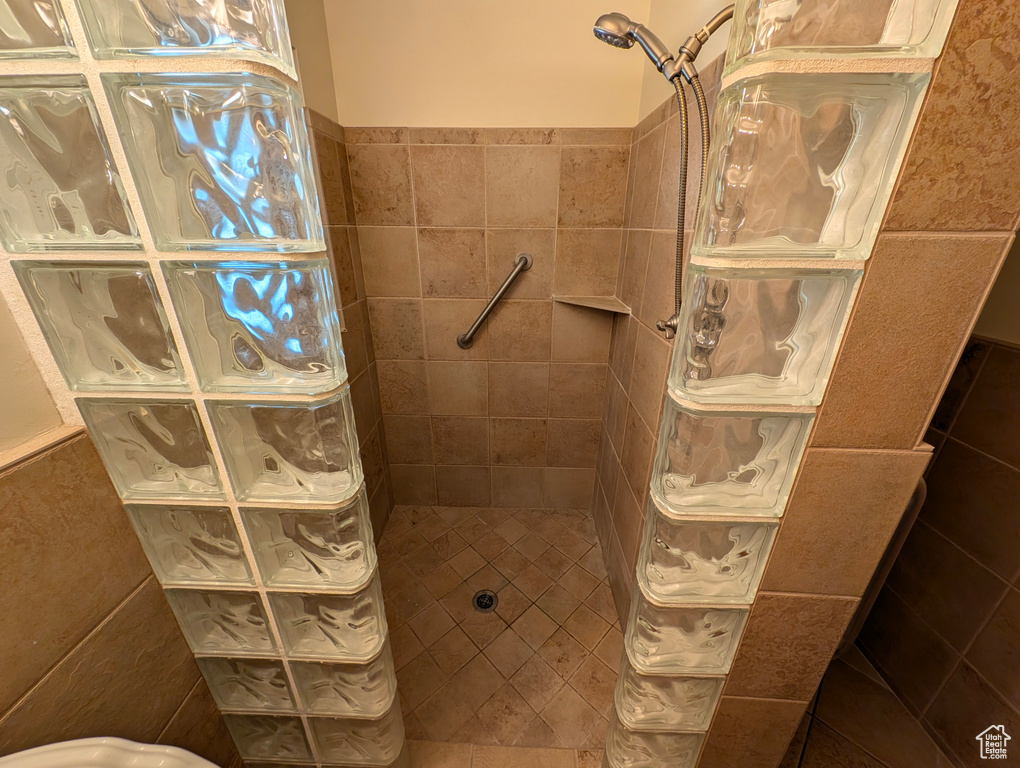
<point>674,69</point>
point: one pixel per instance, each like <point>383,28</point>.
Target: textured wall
<point>943,631</point>
<point>441,214</point>
<point>337,207</point>
<point>28,410</point>
<point>89,644</point>
<point>639,357</point>
<point>946,233</point>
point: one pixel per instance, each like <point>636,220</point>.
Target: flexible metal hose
<point>681,100</point>
<point>706,138</point>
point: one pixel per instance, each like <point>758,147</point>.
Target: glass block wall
<point>817,108</point>
<point>159,210</point>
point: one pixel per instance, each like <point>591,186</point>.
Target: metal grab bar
<point>522,263</point>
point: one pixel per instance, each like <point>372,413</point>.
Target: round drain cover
<point>485,601</point>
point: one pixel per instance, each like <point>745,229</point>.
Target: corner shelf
<point>605,303</point>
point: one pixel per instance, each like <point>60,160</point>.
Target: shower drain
<point>484,601</point>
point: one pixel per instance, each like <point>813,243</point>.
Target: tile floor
<point>434,754</point>
<point>540,670</point>
<point>856,721</point>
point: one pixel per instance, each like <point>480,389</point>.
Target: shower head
<point>615,29</point>
<point>619,31</point>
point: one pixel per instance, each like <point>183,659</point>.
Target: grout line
<point>200,681</point>
<point>88,636</point>
<point>966,395</point>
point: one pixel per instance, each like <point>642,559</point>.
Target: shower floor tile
<point>538,670</point>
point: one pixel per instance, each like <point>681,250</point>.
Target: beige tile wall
<point>441,214</point>
<point>639,355</point>
<point>945,235</point>
<point>86,628</point>
<point>345,249</point>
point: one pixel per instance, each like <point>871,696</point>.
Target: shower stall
<point>397,497</point>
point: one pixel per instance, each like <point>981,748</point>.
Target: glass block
<point>692,561</point>
<point>255,30</point>
<point>222,622</point>
<point>290,451</point>
<point>152,449</point>
<point>760,337</point>
<point>831,142</point>
<point>34,29</point>
<point>104,324</point>
<point>665,703</point>
<point>61,190</point>
<point>264,737</point>
<point>674,639</point>
<point>330,549</point>
<point>359,741</point>
<point>778,29</point>
<point>260,327</point>
<point>335,627</point>
<point>644,749</point>
<point>221,162</point>
<point>358,690</point>
<point>248,684</point>
<point>191,545</point>
<point>719,462</point>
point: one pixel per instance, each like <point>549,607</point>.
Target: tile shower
<point>234,333</point>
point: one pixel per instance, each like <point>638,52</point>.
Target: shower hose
<point>681,99</point>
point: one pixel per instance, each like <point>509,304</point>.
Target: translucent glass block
<point>693,561</point>
<point>152,449</point>
<point>290,451</point>
<point>255,30</point>
<point>715,462</point>
<point>260,327</point>
<point>760,337</point>
<point>779,29</point>
<point>191,545</point>
<point>674,639</point>
<point>644,749</point>
<point>264,737</point>
<point>221,162</point>
<point>357,690</point>
<point>359,741</point>
<point>61,190</point>
<point>34,29</point>
<point>330,549</point>
<point>831,142</point>
<point>248,684</point>
<point>665,703</point>
<point>104,324</point>
<point>336,627</point>
<point>225,623</point>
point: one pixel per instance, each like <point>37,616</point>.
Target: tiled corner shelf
<point>605,303</point>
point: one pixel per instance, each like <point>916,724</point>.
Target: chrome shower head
<point>619,31</point>
<point>615,29</point>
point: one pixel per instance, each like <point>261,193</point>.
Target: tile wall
<point>945,234</point>
<point>639,355</point>
<point>342,243</point>
<point>89,654</point>
<point>441,214</point>
<point>943,630</point>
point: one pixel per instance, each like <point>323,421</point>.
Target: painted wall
<point>308,37</point>
<point>27,410</point>
<point>674,22</point>
<point>469,63</point>
<point>482,63</point>
<point>999,319</point>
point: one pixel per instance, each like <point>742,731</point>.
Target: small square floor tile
<point>535,627</point>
